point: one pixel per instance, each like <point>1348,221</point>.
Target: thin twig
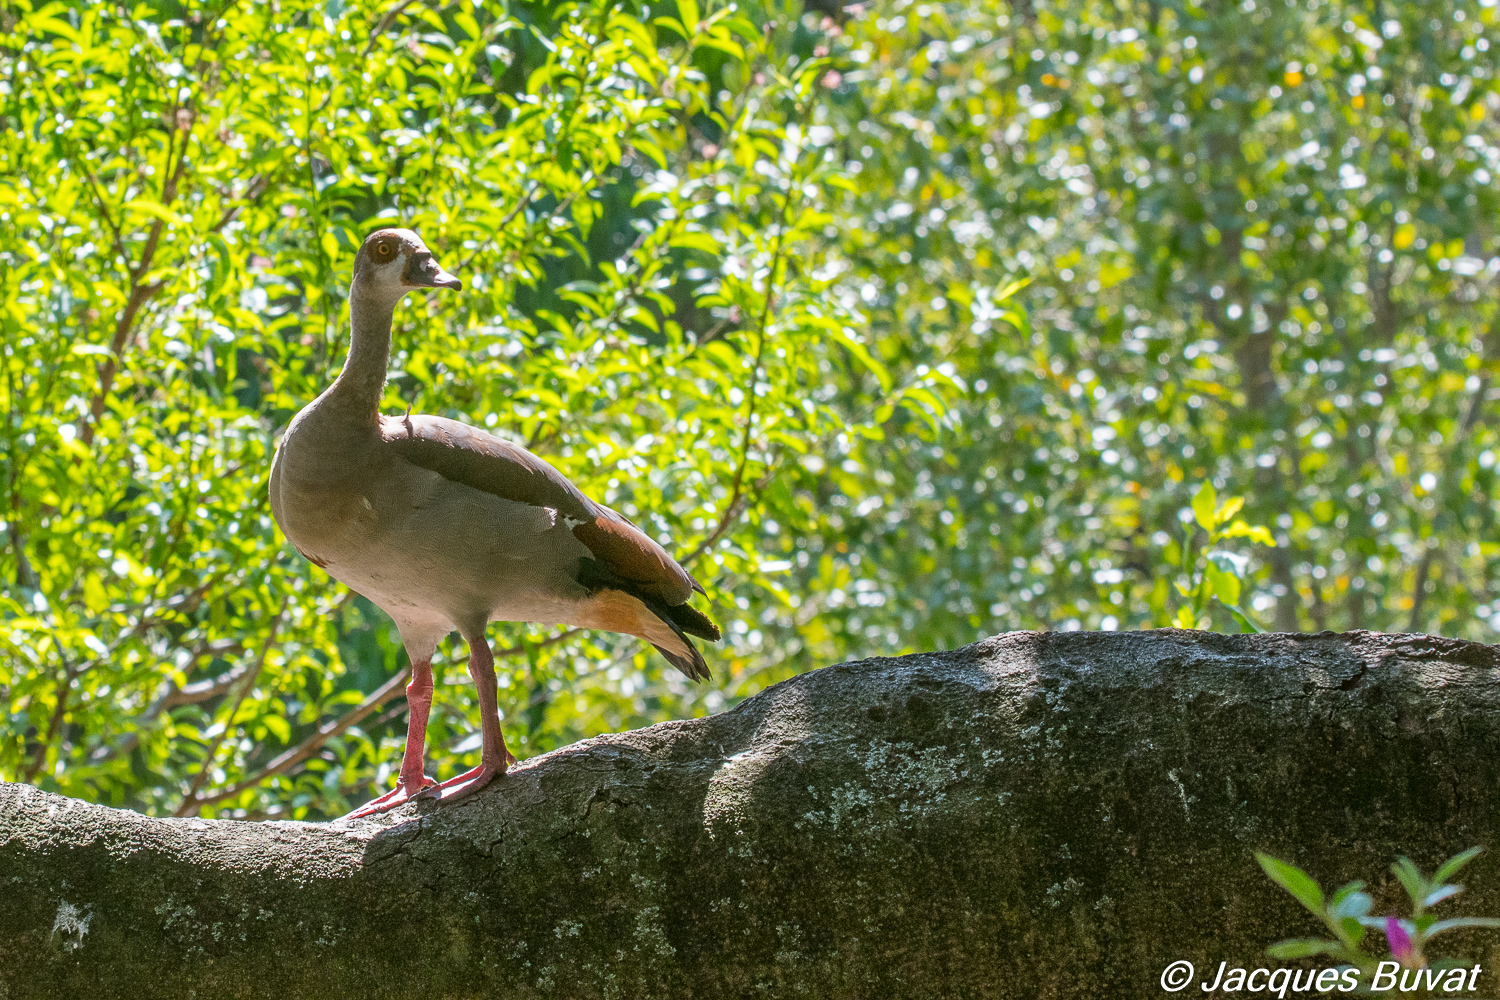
<point>506,219</point>
<point>379,29</point>
<point>190,800</point>
<point>1419,587</point>
<point>296,755</point>
<point>713,333</point>
<point>551,640</point>
<point>382,24</point>
<point>257,187</point>
<point>169,696</point>
<point>59,710</point>
<point>119,238</point>
<point>520,206</point>
<point>535,441</point>
<point>139,295</point>
<point>1454,466</point>
<point>149,616</point>
<point>746,500</point>
<point>1477,398</point>
<point>732,510</point>
<point>562,206</point>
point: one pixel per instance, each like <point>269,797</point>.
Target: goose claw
<point>403,792</point>
<point>466,784</point>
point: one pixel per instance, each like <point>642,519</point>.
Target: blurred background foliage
<point>901,323</point>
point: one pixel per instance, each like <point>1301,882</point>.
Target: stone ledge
<point>1036,815</point>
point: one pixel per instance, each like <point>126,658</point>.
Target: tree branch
<point>210,687</point>
<point>501,868</point>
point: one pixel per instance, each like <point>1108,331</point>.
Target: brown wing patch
<point>628,553</point>
<point>475,458</point>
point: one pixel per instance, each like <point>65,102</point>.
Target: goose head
<point>393,262</point>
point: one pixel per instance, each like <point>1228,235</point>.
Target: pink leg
<point>494,758</point>
<point>412,780</point>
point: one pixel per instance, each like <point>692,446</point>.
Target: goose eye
<point>383,251</point>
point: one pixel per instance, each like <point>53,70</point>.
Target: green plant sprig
<point>1214,575</point>
<point>1346,914</point>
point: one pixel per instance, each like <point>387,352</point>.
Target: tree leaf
<point>1223,586</point>
<point>1246,623</point>
<point>1451,867</point>
<point>694,240</point>
<point>1203,506</point>
<point>1257,533</point>
<point>1411,879</point>
<point>1303,948</point>
<point>1456,923</point>
<point>1295,881</point>
<point>1226,510</point>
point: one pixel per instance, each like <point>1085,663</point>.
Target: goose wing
<point>482,461</point>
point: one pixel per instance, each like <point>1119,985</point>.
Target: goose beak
<point>424,271</point>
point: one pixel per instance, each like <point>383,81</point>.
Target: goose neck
<point>363,377</point>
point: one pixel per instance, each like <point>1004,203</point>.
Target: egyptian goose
<point>446,527</point>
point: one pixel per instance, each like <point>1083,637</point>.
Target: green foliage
<point>639,206</point>
<point>1261,253</point>
<point>1346,914</point>
<point>1214,574</point>
<point>904,328</point>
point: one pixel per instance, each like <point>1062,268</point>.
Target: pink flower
<point>1400,941</point>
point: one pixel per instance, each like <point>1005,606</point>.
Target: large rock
<point>1037,815</point>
